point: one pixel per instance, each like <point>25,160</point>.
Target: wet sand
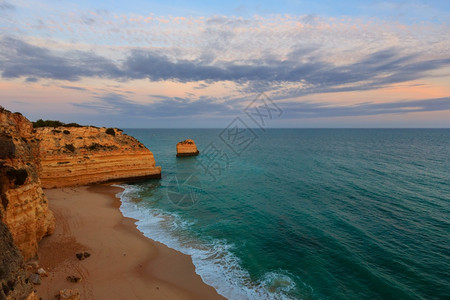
<point>124,264</point>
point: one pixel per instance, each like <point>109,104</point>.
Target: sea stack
<point>187,148</point>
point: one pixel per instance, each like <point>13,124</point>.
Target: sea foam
<point>213,260</point>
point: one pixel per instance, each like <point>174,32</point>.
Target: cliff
<point>24,207</point>
<point>187,148</point>
<point>82,155</point>
<point>13,283</point>
<point>52,157</point>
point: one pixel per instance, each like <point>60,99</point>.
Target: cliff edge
<point>31,159</point>
<point>82,155</point>
<point>24,207</point>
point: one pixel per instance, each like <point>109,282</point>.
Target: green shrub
<point>53,123</point>
<point>94,146</point>
<point>111,131</point>
<point>70,147</point>
<point>72,125</point>
<point>98,147</point>
<point>66,132</point>
<point>47,123</point>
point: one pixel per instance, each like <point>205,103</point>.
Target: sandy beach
<point>123,264</point>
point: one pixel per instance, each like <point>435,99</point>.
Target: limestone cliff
<point>24,207</point>
<point>83,155</point>
<point>187,148</point>
<point>13,283</point>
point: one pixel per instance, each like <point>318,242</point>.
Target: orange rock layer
<point>24,207</point>
<point>187,148</point>
<point>82,155</point>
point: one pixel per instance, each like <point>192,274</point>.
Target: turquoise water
<point>304,213</point>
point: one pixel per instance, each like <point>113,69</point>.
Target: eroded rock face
<point>56,157</point>
<point>24,207</point>
<point>187,148</point>
<point>82,155</point>
<point>12,269</point>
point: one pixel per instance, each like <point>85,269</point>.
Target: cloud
<point>164,107</point>
<point>226,21</point>
<point>304,66</point>
<point>31,79</point>
<point>77,88</point>
<point>4,5</point>
<point>321,110</point>
<point>19,58</point>
<point>211,108</point>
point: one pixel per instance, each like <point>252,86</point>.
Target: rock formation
<point>24,207</point>
<point>52,157</point>
<point>187,148</point>
<point>82,155</point>
<point>13,283</point>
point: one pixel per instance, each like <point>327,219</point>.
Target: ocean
<point>303,213</point>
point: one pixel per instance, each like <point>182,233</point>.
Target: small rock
<point>68,294</point>
<point>32,266</point>
<point>35,279</point>
<point>82,255</point>
<point>33,296</point>
<point>42,272</point>
<point>74,279</point>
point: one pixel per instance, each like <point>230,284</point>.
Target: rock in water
<point>187,148</point>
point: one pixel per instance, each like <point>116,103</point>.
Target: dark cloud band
<point>20,59</point>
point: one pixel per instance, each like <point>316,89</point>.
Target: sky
<point>202,64</point>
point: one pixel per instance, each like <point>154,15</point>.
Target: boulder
<point>74,279</point>
<point>69,294</point>
<point>35,279</point>
<point>42,272</point>
<point>82,255</point>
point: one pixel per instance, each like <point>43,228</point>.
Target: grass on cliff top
<point>53,123</point>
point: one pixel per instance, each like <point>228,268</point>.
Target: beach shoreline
<point>123,263</point>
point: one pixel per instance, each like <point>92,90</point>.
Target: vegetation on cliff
<point>87,155</point>
<point>53,154</point>
<point>53,123</point>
